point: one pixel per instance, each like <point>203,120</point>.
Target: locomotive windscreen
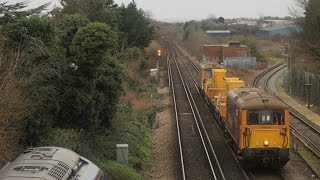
<point>274,117</point>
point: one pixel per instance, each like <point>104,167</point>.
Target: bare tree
<point>307,13</point>
<point>298,9</point>
<point>12,103</point>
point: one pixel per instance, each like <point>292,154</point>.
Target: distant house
<point>232,54</point>
<point>218,52</point>
<point>247,22</point>
<point>279,30</point>
<point>276,22</point>
<point>219,33</point>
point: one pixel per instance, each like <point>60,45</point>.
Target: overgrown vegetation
<point>304,51</point>
<point>194,36</point>
<point>308,44</point>
<point>261,57</point>
<point>61,79</point>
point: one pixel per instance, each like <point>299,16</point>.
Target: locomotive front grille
<point>59,171</point>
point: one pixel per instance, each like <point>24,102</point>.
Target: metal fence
<point>299,79</point>
<point>240,62</point>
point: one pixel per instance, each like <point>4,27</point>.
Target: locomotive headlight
<point>266,143</point>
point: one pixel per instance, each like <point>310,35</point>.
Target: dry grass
<point>245,75</point>
<point>134,72</point>
<point>11,127</point>
<point>271,48</point>
<point>138,103</point>
<point>12,105</point>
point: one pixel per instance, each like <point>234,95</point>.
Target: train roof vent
<point>44,149</point>
<point>37,156</point>
<point>30,169</point>
<point>28,150</point>
<point>242,93</point>
<point>59,171</point>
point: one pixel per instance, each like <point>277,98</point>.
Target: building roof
<point>222,45</point>
<point>274,28</point>
<point>219,32</point>
<point>254,99</point>
<point>230,44</point>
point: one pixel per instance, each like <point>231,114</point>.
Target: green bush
<point>120,171</point>
<point>69,26</point>
<point>261,57</point>
<point>128,127</point>
<point>150,90</point>
<point>30,31</point>
<point>94,86</point>
<point>133,53</point>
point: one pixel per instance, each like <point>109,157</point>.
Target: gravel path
<point>164,149</point>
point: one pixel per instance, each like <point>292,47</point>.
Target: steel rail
<point>177,120</point>
<point>197,87</point>
<point>194,80</point>
<point>206,134</point>
<point>191,62</point>
<point>310,145</point>
<point>260,75</point>
<point>202,140</point>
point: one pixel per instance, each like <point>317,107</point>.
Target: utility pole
<point>288,59</point>
<point>290,70</point>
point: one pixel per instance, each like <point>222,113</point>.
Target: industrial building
<point>279,30</point>
<point>223,33</point>
<point>233,54</point>
<point>217,53</point>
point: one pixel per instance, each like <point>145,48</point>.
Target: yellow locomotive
<point>256,124</point>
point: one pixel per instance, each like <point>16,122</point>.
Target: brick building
<point>218,53</point>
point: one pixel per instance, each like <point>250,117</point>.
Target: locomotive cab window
<point>253,118</point>
<point>208,74</point>
<point>265,118</point>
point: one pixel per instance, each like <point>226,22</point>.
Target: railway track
<point>262,84</point>
<point>220,151</point>
<point>189,60</point>
<point>300,128</point>
<point>196,153</point>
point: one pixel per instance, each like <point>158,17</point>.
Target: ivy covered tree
<point>311,28</point>
<point>93,80</point>
<point>96,10</point>
<point>221,20</point>
<point>135,26</point>
<point>69,69</point>
<point>312,21</point>
<point>16,11</point>
<point>69,26</point>
<point>33,41</point>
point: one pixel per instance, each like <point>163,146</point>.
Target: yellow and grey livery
<point>255,123</point>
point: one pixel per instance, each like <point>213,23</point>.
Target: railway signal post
<point>158,57</point>
<point>308,87</point>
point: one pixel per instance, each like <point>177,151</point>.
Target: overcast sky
<point>182,10</point>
